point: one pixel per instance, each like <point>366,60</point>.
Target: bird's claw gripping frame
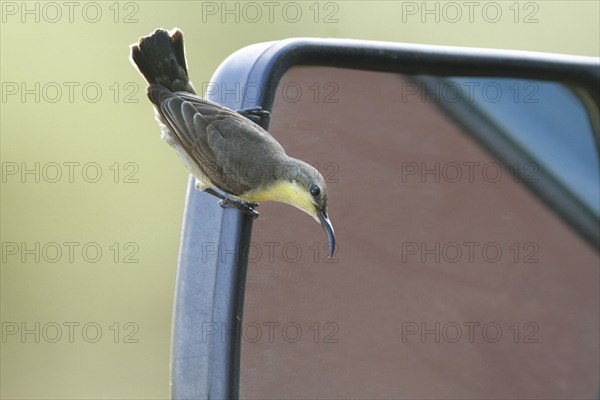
<point>247,207</point>
<point>255,114</point>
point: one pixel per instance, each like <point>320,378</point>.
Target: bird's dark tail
<point>160,58</point>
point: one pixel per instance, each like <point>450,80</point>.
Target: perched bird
<point>230,156</point>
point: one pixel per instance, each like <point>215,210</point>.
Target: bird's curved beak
<point>326,223</point>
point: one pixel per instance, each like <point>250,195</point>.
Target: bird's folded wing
<point>223,143</point>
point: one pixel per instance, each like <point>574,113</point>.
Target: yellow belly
<point>284,192</point>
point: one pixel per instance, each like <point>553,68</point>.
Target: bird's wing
<point>222,142</point>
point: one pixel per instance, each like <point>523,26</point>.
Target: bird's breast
<point>283,192</point>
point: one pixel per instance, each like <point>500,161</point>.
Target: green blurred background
<point>119,303</point>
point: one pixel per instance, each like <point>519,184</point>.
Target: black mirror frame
<point>210,287</point>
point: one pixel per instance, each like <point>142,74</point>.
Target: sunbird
<point>229,155</point>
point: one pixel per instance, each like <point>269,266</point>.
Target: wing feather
<point>223,143</point>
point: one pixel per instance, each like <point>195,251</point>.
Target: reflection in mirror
<point>549,144</point>
<point>452,278</point>
<point>546,120</point>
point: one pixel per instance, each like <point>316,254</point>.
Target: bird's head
<point>301,186</point>
<point>311,197</point>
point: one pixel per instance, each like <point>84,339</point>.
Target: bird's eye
<point>315,191</point>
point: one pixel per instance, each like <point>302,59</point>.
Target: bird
<point>227,152</point>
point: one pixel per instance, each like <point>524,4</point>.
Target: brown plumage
<point>230,156</point>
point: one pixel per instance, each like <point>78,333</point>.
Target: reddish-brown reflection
<point>379,289</point>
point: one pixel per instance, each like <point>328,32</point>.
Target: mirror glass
<point>452,279</point>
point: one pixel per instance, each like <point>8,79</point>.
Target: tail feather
<point>160,58</point>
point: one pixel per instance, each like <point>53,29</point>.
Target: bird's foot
<point>254,114</point>
<point>247,207</point>
<point>227,200</point>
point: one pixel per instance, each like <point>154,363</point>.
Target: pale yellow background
<point>149,212</point>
